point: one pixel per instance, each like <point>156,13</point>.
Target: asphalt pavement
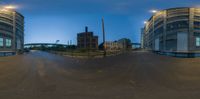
<point>134,75</point>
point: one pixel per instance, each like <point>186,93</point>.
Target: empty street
<point>134,75</point>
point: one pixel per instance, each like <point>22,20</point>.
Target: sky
<point>49,20</point>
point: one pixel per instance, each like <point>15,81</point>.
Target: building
<point>136,46</point>
<point>86,40</point>
<point>11,32</point>
<point>125,43</point>
<point>122,44</point>
<point>173,30</point>
<point>142,38</point>
<point>112,46</point>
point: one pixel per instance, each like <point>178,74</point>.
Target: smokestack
<point>86,29</point>
<point>104,39</point>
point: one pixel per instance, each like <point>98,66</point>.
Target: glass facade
<point>178,25</point>
<point>1,42</point>
<point>197,25</point>
<point>197,41</point>
<point>8,43</point>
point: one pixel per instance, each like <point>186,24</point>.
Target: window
<point>198,41</point>
<point>178,25</point>
<point>197,25</point>
<point>8,42</point>
<point>1,42</point>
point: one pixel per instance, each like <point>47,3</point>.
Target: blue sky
<point>51,20</point>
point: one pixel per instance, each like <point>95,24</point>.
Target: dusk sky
<point>51,20</point>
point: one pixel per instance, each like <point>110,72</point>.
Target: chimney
<point>86,29</point>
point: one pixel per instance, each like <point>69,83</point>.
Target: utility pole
<point>103,29</point>
<point>70,42</point>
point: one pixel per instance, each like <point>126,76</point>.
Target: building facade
<point>125,43</point>
<point>113,46</point>
<point>11,31</point>
<point>121,44</point>
<point>86,40</point>
<point>142,38</point>
<point>136,46</point>
<point>173,30</point>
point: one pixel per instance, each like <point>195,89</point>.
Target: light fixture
<point>145,22</point>
<point>154,11</point>
<point>10,7</point>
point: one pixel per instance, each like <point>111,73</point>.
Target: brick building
<point>86,40</point>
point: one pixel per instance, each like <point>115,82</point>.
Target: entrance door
<point>182,41</point>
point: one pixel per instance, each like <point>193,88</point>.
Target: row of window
<point>6,20</point>
<point>6,27</point>
<point>159,23</point>
<point>197,17</point>
<point>6,15</point>
<point>178,18</point>
<point>177,25</point>
<point>8,42</point>
<point>196,25</point>
<point>159,31</point>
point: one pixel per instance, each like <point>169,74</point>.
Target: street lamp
<point>154,11</point>
<point>10,7</point>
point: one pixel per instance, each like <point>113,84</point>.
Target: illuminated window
<point>1,42</point>
<point>198,41</point>
<point>8,42</point>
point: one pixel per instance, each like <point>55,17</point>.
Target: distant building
<point>125,43</point>
<point>112,46</point>
<point>12,32</point>
<point>122,44</point>
<point>86,40</point>
<point>136,45</point>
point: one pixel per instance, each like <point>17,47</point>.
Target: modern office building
<point>11,32</point>
<point>173,30</point>
<point>86,40</point>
